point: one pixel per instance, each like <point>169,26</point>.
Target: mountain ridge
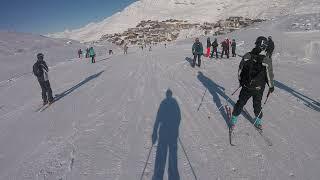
<point>190,10</point>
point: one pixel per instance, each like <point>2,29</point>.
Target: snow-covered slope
<point>102,124</point>
<point>18,52</point>
<point>192,10</point>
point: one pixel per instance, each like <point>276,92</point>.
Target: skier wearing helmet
<point>255,71</point>
<point>197,51</point>
<point>40,70</point>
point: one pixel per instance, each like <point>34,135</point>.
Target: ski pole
<point>239,55</point>
<point>204,64</point>
<point>235,91</point>
<point>233,94</point>
<point>185,153</point>
<point>202,98</point>
<point>229,97</point>
<point>265,102</point>
<point>145,166</point>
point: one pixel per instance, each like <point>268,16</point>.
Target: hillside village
<point>153,32</point>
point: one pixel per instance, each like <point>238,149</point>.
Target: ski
<point>39,108</point>
<point>46,106</point>
<point>265,138</point>
<point>231,133</point>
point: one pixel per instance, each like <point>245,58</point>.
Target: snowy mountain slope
<point>102,125</point>
<point>18,52</point>
<point>191,10</point>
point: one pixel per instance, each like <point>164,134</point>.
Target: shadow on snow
<point>67,92</point>
<point>167,126</point>
<point>216,91</point>
<point>310,103</point>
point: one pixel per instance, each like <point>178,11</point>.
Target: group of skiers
<point>88,53</point>
<point>225,48</point>
<point>255,71</point>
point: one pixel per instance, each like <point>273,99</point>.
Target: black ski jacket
<point>255,71</point>
<point>40,70</point>
<point>233,44</point>
<point>215,44</point>
<point>208,43</point>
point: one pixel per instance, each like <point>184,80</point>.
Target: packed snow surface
<point>191,10</point>
<point>101,127</point>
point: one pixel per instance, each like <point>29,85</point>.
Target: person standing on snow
<point>224,48</point>
<point>197,51</point>
<point>125,49</point>
<point>233,47</point>
<point>87,53</point>
<point>215,48</point>
<point>40,70</point>
<point>208,47</point>
<point>270,47</point>
<point>79,53</point>
<point>255,70</point>
<point>228,47</point>
<point>92,55</point>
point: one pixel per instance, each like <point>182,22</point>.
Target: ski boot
<point>258,124</point>
<point>234,120</point>
<point>45,102</point>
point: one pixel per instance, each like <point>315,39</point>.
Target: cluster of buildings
<point>153,32</point>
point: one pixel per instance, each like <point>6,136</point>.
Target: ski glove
<point>271,89</point>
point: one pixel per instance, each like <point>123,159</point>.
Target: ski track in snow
<point>102,125</point>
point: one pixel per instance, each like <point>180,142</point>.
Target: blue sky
<point>47,16</point>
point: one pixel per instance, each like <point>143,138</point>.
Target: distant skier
<point>270,48</point>
<point>110,51</point>
<point>79,53</point>
<point>92,55</point>
<point>215,48</point>
<point>208,47</point>
<point>197,51</point>
<point>255,70</point>
<point>150,48</point>
<point>87,53</point>
<point>40,70</point>
<point>125,49</point>
<point>165,45</point>
<point>224,48</point>
<point>233,47</point>
<point>228,47</point>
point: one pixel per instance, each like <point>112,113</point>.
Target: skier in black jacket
<point>40,70</point>
<point>233,46</point>
<point>215,48</point>
<point>270,48</point>
<point>255,70</point>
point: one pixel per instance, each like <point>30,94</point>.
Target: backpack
<point>36,70</point>
<point>252,72</point>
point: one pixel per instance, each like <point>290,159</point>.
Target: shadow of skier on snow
<point>190,60</point>
<point>216,91</point>
<point>67,92</point>
<point>167,126</point>
<point>103,59</point>
<point>310,103</point>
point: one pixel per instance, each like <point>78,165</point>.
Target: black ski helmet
<point>40,56</point>
<point>261,43</point>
